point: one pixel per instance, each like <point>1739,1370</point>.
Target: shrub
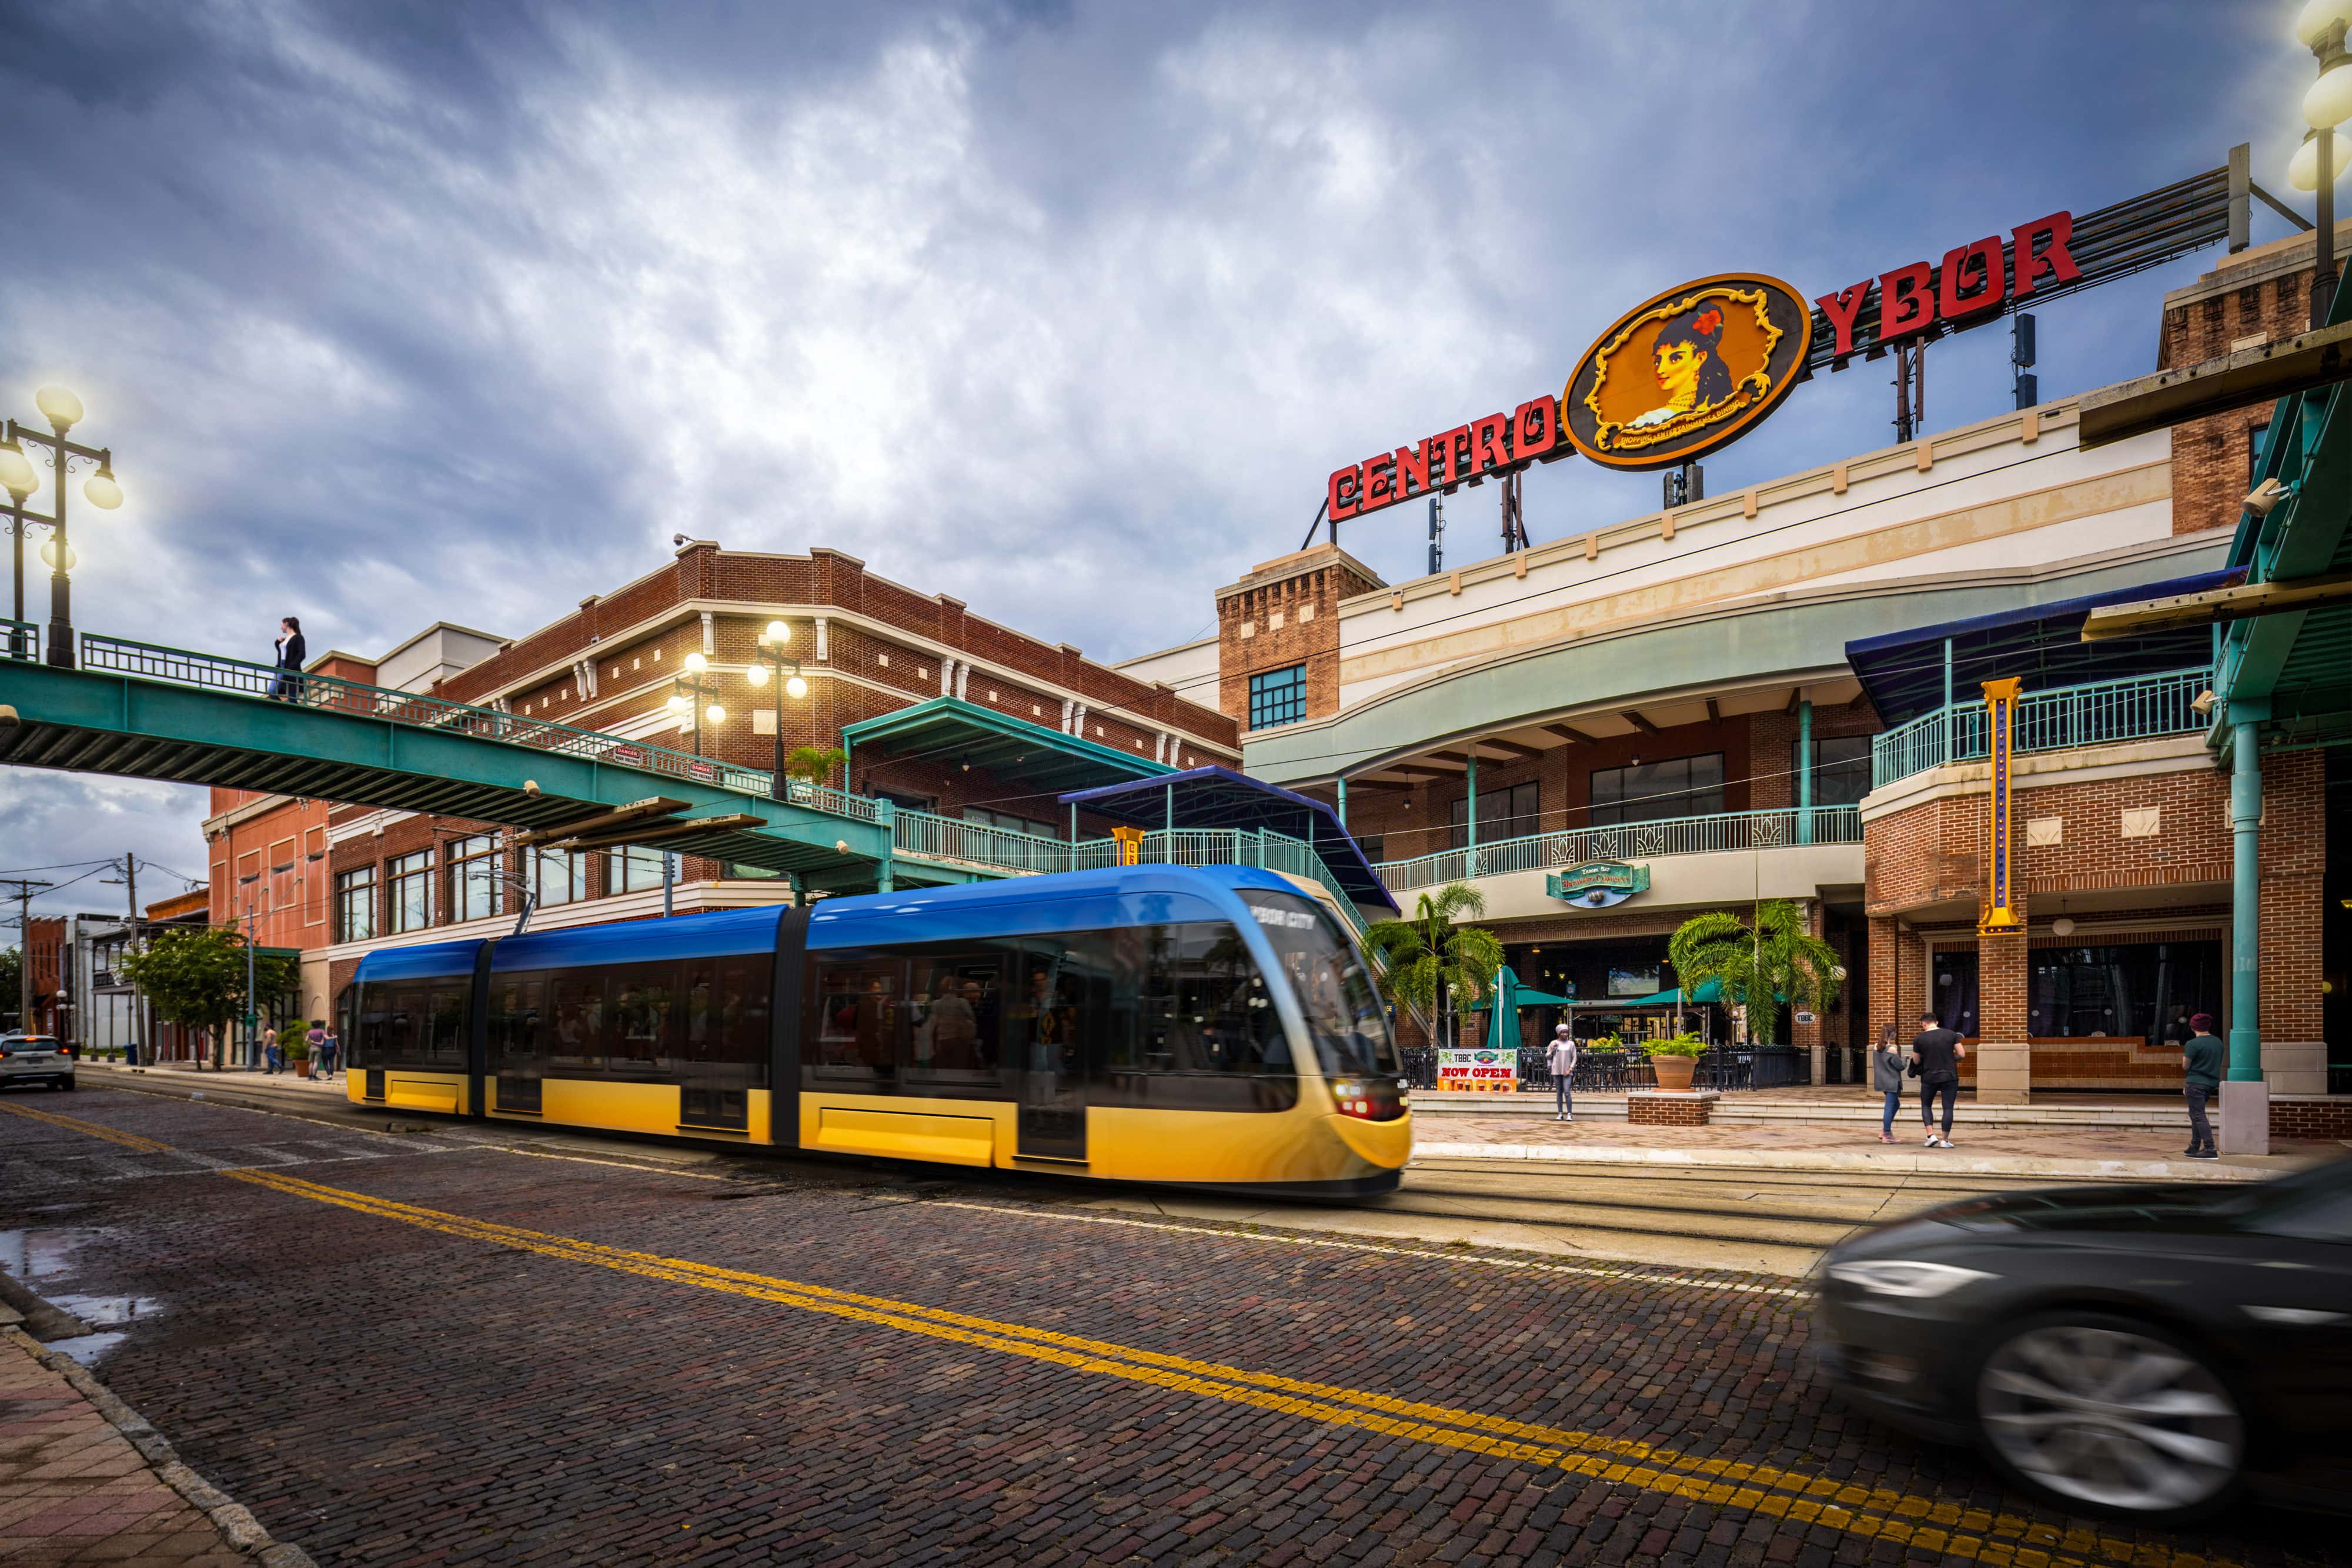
<point>1677,1045</point>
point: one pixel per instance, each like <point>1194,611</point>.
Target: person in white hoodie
<point>1561,1058</point>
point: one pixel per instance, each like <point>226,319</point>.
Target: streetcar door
<point>1044,1038</point>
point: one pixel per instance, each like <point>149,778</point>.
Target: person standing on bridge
<point>1561,1058</point>
<point>291,652</point>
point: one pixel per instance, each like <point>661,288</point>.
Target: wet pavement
<point>423,1347</point>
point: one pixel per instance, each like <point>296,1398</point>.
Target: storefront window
<point>1840,770</point>
<point>1652,791</point>
<point>2141,990</point>
<point>1953,980</point>
<point>1511,813</point>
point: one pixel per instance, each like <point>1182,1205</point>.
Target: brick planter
<point>1658,1108</point>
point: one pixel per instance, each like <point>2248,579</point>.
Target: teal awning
<point>956,733</point>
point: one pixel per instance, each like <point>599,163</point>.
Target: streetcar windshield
<point>1327,974</point>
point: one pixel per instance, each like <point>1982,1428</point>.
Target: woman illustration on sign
<point>1690,370</point>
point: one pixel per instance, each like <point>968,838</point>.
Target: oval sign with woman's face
<point>1685,372</point>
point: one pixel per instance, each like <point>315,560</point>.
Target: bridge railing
<point>19,639</point>
<point>2097,712</point>
<point>179,666</point>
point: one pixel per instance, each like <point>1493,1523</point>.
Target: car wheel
<point>67,1085</point>
<point>2111,1416</point>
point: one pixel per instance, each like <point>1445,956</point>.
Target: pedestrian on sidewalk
<point>1886,1065</point>
<point>269,1050</point>
<point>316,1039</point>
<point>1561,1058</point>
<point>1935,1056</point>
<point>2200,1059</point>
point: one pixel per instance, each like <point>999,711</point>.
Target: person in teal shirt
<point>2201,1061</point>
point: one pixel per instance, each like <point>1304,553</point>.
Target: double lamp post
<point>18,478</point>
<point>694,696</point>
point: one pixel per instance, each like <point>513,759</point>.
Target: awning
<point>1220,798</point>
<point>1014,751</point>
<point>1903,672</point>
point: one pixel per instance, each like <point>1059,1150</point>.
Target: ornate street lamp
<point>785,670</point>
<point>2319,163</point>
<point>691,695</point>
<point>63,411</point>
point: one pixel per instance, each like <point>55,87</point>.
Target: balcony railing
<point>2095,714</point>
<point>1777,829</point>
<point>19,639</point>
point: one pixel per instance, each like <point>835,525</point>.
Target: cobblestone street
<point>429,1346</point>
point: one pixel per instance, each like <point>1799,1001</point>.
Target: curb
<point>1833,1160</point>
<point>233,1520</point>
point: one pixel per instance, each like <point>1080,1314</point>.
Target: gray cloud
<point>402,313</point>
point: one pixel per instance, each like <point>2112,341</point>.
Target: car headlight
<point>1912,1280</point>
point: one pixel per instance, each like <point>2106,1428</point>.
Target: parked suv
<point>35,1058</point>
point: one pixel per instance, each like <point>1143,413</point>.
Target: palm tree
<point>1431,966</point>
<point>815,763</point>
<point>1774,959</point>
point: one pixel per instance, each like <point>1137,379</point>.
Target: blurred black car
<point>2141,1352</point>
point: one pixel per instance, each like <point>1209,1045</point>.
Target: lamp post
<point>63,411</point>
<point>2319,163</point>
<point>690,694</point>
<point>785,670</point>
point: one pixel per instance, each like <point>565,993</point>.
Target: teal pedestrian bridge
<point>138,710</point>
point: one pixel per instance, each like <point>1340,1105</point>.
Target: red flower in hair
<point>1709,322</point>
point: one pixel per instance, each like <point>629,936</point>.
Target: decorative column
<point>1805,774</point>
<point>2245,1097</point>
<point>2004,1043</point>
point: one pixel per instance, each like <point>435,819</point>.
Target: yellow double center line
<point>1871,1513</point>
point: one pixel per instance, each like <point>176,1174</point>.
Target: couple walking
<point>1934,1059</point>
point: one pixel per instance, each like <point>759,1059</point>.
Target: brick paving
<point>380,1391</point>
<point>73,1490</point>
<point>2052,1142</point>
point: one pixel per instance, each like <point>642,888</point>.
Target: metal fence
<point>1729,1068</point>
<point>1776,829</point>
<point>19,639</point>
<point>2095,713</point>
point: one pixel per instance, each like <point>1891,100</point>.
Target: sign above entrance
<point>1598,884</point>
<point>1687,370</point>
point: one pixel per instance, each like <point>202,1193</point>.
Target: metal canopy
<point>954,732</point>
<point>1220,798</point>
<point>1903,672</point>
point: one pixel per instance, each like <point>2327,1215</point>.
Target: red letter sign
<point>1961,267</point>
<point>1486,444</point>
<point>2042,243</point>
<point>1347,490</point>
<point>1840,310</point>
<point>1411,463</point>
<point>1449,455</point>
<point>1380,484</point>
<point>1906,301</point>
<point>1538,429</point>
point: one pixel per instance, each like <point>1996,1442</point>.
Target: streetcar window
<point>953,1011</point>
<point>1191,1024</point>
<point>445,1037</point>
<point>859,1014</point>
<point>1327,975</point>
<point>576,1001</point>
<point>639,1000</point>
<point>724,1010</point>
<point>516,1032</point>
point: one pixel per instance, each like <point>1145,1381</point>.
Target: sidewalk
<point>2145,1154</point>
<point>75,1489</point>
<point>183,1074</point>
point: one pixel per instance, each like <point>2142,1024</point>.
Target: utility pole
<point>24,897</point>
<point>130,893</point>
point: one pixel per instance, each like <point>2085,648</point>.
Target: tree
<point>12,995</point>
<point>815,763</point>
<point>1431,966</point>
<point>1774,959</point>
<point>196,976</point>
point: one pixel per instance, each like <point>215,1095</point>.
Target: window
<point>1374,845</point>
<point>1840,770</point>
<point>632,871</point>
<point>1954,999</point>
<point>1007,820</point>
<point>641,1022</point>
<point>1191,1024</point>
<point>2146,991</point>
<point>1648,792</point>
<point>1509,813</point>
<point>955,1004</point>
<point>355,905</point>
<point>474,877</point>
<point>859,1005</point>
<point>696,1021</point>
<point>412,1023</point>
<point>2257,436</point>
<point>905,803</point>
<point>576,1001</point>
<point>410,906</point>
<point>560,878</point>
<point>1277,696</point>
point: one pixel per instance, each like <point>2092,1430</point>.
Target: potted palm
<point>298,1052</point>
<point>1674,1059</point>
<point>1765,965</point>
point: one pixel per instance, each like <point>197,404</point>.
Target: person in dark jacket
<point>288,686</point>
<point>1887,1061</point>
<point>2201,1061</point>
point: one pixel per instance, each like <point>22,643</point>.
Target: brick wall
<point>2329,1119</point>
<point>2294,866</point>
<point>1286,612</point>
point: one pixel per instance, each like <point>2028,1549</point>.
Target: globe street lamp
<point>692,695</point>
<point>785,670</point>
<point>2319,163</point>
<point>63,411</point>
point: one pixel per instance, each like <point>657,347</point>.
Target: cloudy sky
<point>402,312</point>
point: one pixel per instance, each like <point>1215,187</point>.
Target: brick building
<point>868,648</point>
